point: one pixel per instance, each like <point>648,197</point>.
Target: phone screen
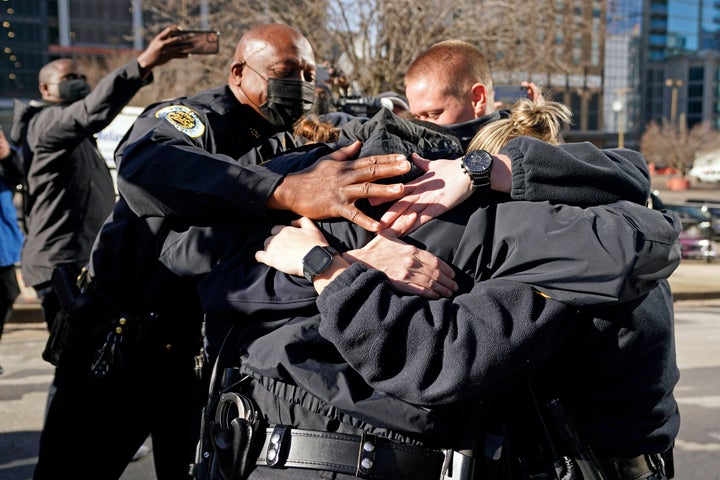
<point>509,93</point>
<point>200,42</point>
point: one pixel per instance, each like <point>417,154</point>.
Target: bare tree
<point>667,145</point>
<point>375,40</point>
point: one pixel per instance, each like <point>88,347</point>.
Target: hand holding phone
<point>199,42</point>
<point>4,145</point>
<point>510,93</point>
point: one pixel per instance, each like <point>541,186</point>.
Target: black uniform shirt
<point>184,162</point>
<point>197,159</point>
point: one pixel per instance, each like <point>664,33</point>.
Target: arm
<point>576,173</point>
<point>581,256</point>
<point>493,332</point>
<point>421,350</point>
<point>209,184</point>
<point>164,173</point>
<point>529,169</point>
<point>94,112</point>
<point>585,256</point>
<point>439,351</point>
<point>237,284</point>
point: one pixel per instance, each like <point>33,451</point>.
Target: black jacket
<point>197,159</point>
<point>183,162</point>
<point>312,371</point>
<point>69,190</point>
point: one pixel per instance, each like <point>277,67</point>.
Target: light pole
<point>618,106</point>
<point>674,84</point>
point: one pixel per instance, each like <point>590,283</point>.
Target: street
<point>697,449</point>
<point>23,390</point>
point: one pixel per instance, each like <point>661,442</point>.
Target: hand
<point>288,244</point>
<point>163,48</point>
<point>331,186</point>
<point>443,186</point>
<point>5,150</point>
<point>534,92</point>
<point>410,269</point>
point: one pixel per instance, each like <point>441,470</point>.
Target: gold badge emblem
<point>183,118</point>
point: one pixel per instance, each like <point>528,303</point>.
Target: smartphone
<point>200,42</point>
<point>509,93</point>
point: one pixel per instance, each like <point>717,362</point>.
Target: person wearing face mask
<point>187,161</point>
<point>68,188</point>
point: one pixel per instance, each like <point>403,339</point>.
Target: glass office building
<point>661,63</point>
<point>25,34</point>
<point>683,62</point>
<point>621,83</point>
<point>34,32</point>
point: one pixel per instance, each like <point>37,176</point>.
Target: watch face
<point>478,161</point>
<point>317,260</point>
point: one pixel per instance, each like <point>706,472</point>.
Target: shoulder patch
<point>183,118</point>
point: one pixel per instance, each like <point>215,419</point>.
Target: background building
<point>630,63</point>
<point>34,32</point>
<point>681,73</point>
<point>661,65</point>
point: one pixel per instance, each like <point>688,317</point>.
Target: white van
<point>706,167</point>
<point>109,138</point>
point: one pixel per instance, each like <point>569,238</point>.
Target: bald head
<point>56,72</point>
<point>449,83</point>
<point>270,38</point>
<point>265,51</point>
<point>51,69</point>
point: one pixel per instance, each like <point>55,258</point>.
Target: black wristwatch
<point>317,260</point>
<point>478,165</point>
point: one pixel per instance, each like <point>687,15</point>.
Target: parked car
<point>706,168</point>
<point>696,237</point>
<point>714,210</point>
<point>695,222</point>
<point>697,247</point>
<point>711,207</point>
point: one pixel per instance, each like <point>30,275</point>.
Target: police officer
<point>317,405</point>
<point>69,190</point>
<point>515,344</point>
<point>184,161</point>
<point>580,391</point>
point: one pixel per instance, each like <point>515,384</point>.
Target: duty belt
<point>641,467</point>
<point>365,456</point>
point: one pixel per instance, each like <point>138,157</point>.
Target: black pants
<point>95,426</point>
<point>9,291</point>
<point>49,303</point>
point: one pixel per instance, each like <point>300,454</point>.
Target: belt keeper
<point>276,452</point>
<point>366,455</point>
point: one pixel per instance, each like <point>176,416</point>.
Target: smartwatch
<point>317,260</point>
<point>478,165</point>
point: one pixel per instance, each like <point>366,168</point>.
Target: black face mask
<point>287,101</point>
<point>73,90</point>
